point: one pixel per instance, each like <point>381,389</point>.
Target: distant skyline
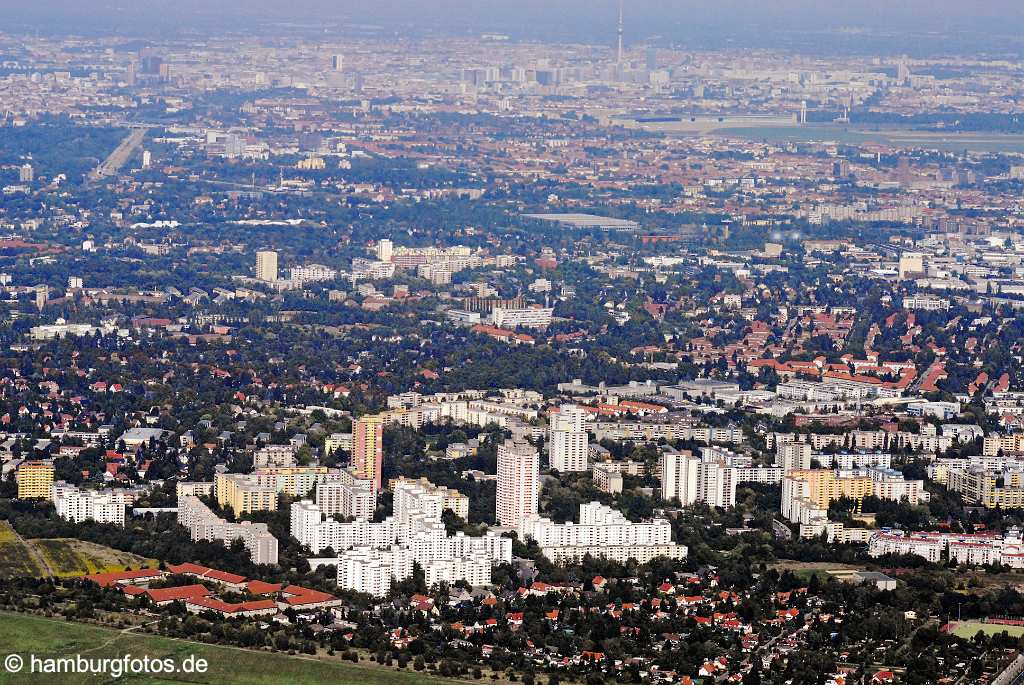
<point>915,25</point>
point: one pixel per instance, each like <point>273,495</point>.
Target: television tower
<point>620,32</point>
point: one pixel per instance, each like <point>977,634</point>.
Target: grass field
<point>15,558</point>
<point>65,557</point>
<point>45,638</point>
<point>75,557</point>
<point>968,629</point>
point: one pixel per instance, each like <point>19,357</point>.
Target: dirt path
<point>36,555</point>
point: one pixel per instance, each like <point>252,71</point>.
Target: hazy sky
<point>983,24</point>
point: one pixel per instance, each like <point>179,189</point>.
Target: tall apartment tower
<point>911,265</point>
<point>568,441</point>
<point>35,479</point>
<point>368,449</point>
<point>692,480</point>
<point>26,174</point>
<point>385,250</point>
<point>796,455</point>
<point>518,482</point>
<point>680,473</point>
<point>266,266</point>
<point>717,487</point>
<point>338,62</point>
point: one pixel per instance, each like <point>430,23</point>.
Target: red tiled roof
<point>187,567</point>
<point>296,595</point>
<point>206,572</point>
<point>224,576</point>
<point>170,594</point>
<point>259,587</point>
<point>115,577</point>
<point>226,608</point>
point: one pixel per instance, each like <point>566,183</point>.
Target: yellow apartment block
<point>1003,490</point>
<point>825,486</point>
<point>35,479</point>
<point>295,481</point>
<point>244,493</point>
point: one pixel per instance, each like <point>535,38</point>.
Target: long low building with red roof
<point>165,595</point>
<point>138,577</point>
<point>259,607</point>
<point>259,587</point>
<point>197,597</point>
<point>231,580</point>
<point>298,597</point>
<point>503,334</point>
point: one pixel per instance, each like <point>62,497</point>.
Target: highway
<point>116,159</point>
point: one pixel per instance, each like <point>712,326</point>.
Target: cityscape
<point>555,344</point>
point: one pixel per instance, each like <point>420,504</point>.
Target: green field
<point>76,558</point>
<point>15,558</point>
<point>63,557</point>
<point>968,629</point>
<point>46,638</point>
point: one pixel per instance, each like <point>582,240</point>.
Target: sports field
<point>968,629</point>
<point>46,638</point>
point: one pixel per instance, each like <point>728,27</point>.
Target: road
<point>113,163</point>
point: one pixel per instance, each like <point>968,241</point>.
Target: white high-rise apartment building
<point>372,554</point>
<point>385,250</point>
<point>203,524</point>
<point>368,570</point>
<point>88,505</point>
<point>274,455</point>
<point>266,266</point>
<point>347,495</point>
<point>692,480</point>
<point>568,439</point>
<point>717,486</point>
<point>528,317</point>
<point>306,518</point>
<point>602,532</point>
<point>680,472</point>
<point>518,482</point>
<point>312,273</point>
<point>796,455</point>
<point>420,497</point>
<point>364,569</point>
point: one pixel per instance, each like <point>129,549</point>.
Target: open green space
<point>64,557</point>
<point>968,629</point>
<point>15,557</point>
<point>47,638</point>
<point>75,557</point>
